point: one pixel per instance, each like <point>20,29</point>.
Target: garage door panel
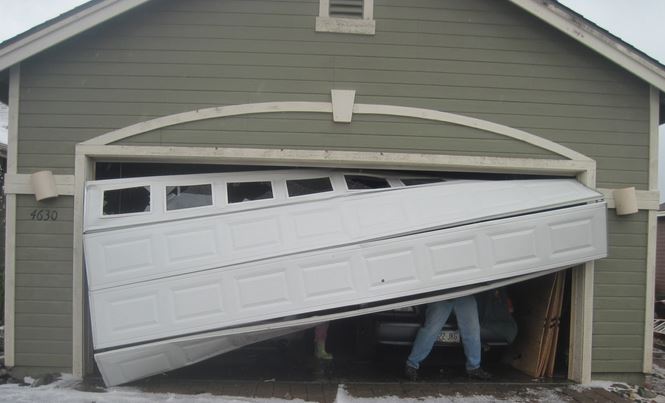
<point>125,250</point>
<point>392,268</point>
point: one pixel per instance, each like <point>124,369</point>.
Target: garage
<point>90,108</point>
<point>422,241</point>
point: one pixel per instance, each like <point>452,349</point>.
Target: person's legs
<point>320,336</point>
<point>435,317</point>
<point>321,332</point>
<point>466,311</point>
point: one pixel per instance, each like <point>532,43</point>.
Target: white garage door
<point>171,258</point>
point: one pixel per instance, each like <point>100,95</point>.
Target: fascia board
<point>595,39</point>
<point>64,29</point>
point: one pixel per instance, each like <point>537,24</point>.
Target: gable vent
<point>346,8</point>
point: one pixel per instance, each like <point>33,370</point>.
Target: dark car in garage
<point>398,327</point>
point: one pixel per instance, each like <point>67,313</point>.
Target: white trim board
<point>327,158</point>
<point>21,184</point>
<point>652,241</point>
<point>327,107</point>
<point>10,219</point>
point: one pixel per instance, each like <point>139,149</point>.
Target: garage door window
<point>302,187</point>
<point>127,200</point>
<point>363,182</point>
<point>190,196</point>
<point>239,192</point>
<point>420,181</point>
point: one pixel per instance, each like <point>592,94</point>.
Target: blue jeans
<point>436,316</point>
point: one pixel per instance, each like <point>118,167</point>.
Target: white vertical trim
<point>10,220</point>
<point>650,291</point>
<point>324,8</point>
<point>652,225</point>
<point>368,9</point>
<point>581,310</point>
<point>83,169</point>
<point>581,318</point>
<point>10,279</point>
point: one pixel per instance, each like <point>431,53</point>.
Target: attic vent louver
<point>346,16</point>
<point>346,8</point>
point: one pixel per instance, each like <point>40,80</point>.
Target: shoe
<point>410,373</point>
<point>320,351</point>
<point>479,373</point>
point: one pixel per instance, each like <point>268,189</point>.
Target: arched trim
<point>326,107</point>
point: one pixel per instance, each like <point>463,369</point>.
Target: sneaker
<point>479,373</point>
<point>410,373</point>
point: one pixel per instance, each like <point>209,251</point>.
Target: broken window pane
<point>301,187</point>
<point>248,191</point>
<point>128,200</point>
<point>420,181</point>
<point>190,196</point>
<point>359,182</point>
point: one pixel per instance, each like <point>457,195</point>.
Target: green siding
<point>481,58</point>
<point>44,285</point>
<point>619,297</point>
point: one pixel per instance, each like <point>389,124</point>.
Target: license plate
<point>449,336</point>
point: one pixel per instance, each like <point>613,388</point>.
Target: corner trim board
<point>10,220</point>
<point>652,242</point>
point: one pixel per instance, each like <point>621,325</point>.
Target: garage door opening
<point>360,356</point>
<point>339,334</point>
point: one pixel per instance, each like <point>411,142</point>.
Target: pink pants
<point>321,332</point>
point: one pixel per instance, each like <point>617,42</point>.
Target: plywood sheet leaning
<point>552,325</point>
<point>530,313</point>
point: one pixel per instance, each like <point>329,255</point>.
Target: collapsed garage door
<point>182,268</point>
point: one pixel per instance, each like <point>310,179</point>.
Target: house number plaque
<point>44,215</point>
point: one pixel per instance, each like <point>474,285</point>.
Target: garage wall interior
<point>485,59</point>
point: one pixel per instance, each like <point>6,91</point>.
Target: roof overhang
<point>601,41</point>
<point>61,29</point>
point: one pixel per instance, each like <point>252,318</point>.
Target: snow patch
<point>63,391</point>
<point>540,395</point>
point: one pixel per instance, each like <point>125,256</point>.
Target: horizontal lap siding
<point>481,58</point>
<point>619,297</point>
<point>478,58</point>
<point>44,284</point>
